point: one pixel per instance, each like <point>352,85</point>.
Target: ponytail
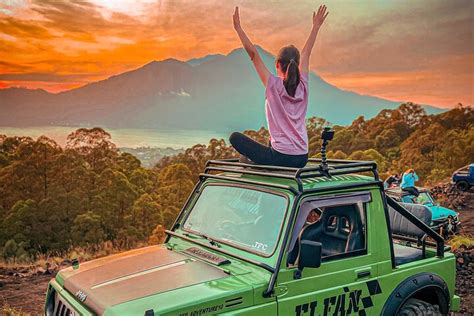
<point>289,59</point>
<point>292,77</point>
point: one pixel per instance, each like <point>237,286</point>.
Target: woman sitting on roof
<point>286,102</point>
<point>408,182</point>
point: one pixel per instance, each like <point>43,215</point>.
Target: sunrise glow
<point>400,50</point>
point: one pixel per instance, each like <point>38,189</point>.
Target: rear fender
<point>425,286</point>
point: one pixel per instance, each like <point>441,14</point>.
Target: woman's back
<point>286,115</point>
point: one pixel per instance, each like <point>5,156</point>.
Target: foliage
<point>7,310</point>
<point>406,137</point>
<point>88,193</point>
<point>461,241</point>
<point>53,198</point>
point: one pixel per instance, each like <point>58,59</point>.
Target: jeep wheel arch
<point>424,286</point>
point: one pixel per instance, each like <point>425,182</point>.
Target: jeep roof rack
<point>325,168</point>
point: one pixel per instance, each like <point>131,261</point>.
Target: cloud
<point>181,93</point>
<point>23,29</point>
<point>80,20</point>
<point>12,67</point>
<point>44,77</point>
<point>373,40</point>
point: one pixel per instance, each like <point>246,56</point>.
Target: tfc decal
<point>346,303</point>
<point>203,311</point>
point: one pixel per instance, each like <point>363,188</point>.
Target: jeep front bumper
<point>447,226</point>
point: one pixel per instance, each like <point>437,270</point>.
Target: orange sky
<point>420,51</point>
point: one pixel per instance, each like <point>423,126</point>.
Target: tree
<point>175,186</point>
<point>157,236</point>
<point>145,215</point>
<point>196,157</point>
<point>52,198</point>
<point>114,201</point>
<point>87,229</point>
<point>371,155</point>
<point>127,163</point>
<point>95,145</point>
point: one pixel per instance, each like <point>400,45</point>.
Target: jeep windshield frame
<point>233,243</point>
<point>429,198</point>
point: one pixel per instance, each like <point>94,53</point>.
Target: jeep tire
<point>462,186</point>
<point>415,307</point>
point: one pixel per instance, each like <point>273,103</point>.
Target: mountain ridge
<point>214,92</point>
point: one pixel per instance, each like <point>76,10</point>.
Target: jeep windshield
<point>244,218</point>
<point>425,199</point>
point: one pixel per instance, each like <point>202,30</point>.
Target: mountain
<point>198,61</point>
<point>217,92</point>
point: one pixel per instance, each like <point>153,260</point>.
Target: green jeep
<point>267,240</point>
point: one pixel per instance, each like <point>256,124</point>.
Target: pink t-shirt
<point>286,116</point>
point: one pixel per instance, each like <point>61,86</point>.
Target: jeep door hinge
<point>280,290</point>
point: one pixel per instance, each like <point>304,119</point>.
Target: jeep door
<point>345,283</point>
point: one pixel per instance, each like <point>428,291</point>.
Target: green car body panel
<point>172,280</point>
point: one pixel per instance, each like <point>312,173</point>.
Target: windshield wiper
<point>211,240</point>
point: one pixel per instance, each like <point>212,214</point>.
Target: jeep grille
<point>58,306</point>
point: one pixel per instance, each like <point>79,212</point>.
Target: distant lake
<point>173,138</point>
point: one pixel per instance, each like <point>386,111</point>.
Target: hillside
<point>216,92</point>
<point>102,199</point>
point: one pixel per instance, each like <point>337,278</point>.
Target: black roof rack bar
<point>339,164</point>
<point>224,159</point>
<point>230,162</point>
<point>336,167</point>
<point>256,173</point>
<point>342,187</point>
<point>314,174</point>
<point>340,161</point>
<point>355,164</point>
<point>343,166</point>
<point>247,181</point>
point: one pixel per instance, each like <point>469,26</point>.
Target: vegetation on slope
<point>87,193</point>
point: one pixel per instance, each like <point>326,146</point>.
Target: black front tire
<point>462,186</point>
<point>415,307</point>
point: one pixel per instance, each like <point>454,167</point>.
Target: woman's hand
<point>262,70</point>
<point>236,18</point>
<point>318,18</point>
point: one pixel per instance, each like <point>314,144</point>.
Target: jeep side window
<point>341,229</point>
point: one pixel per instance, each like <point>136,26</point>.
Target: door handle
<point>363,273</point>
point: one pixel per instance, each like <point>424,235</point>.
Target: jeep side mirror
<point>310,256</point>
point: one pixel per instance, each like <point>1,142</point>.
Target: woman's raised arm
<point>318,20</point>
<point>262,70</point>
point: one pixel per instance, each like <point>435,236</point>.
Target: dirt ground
<point>25,294</point>
<point>465,277</point>
<point>467,218</point>
<point>25,290</point>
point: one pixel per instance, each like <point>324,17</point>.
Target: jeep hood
<point>106,282</point>
<point>439,212</point>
